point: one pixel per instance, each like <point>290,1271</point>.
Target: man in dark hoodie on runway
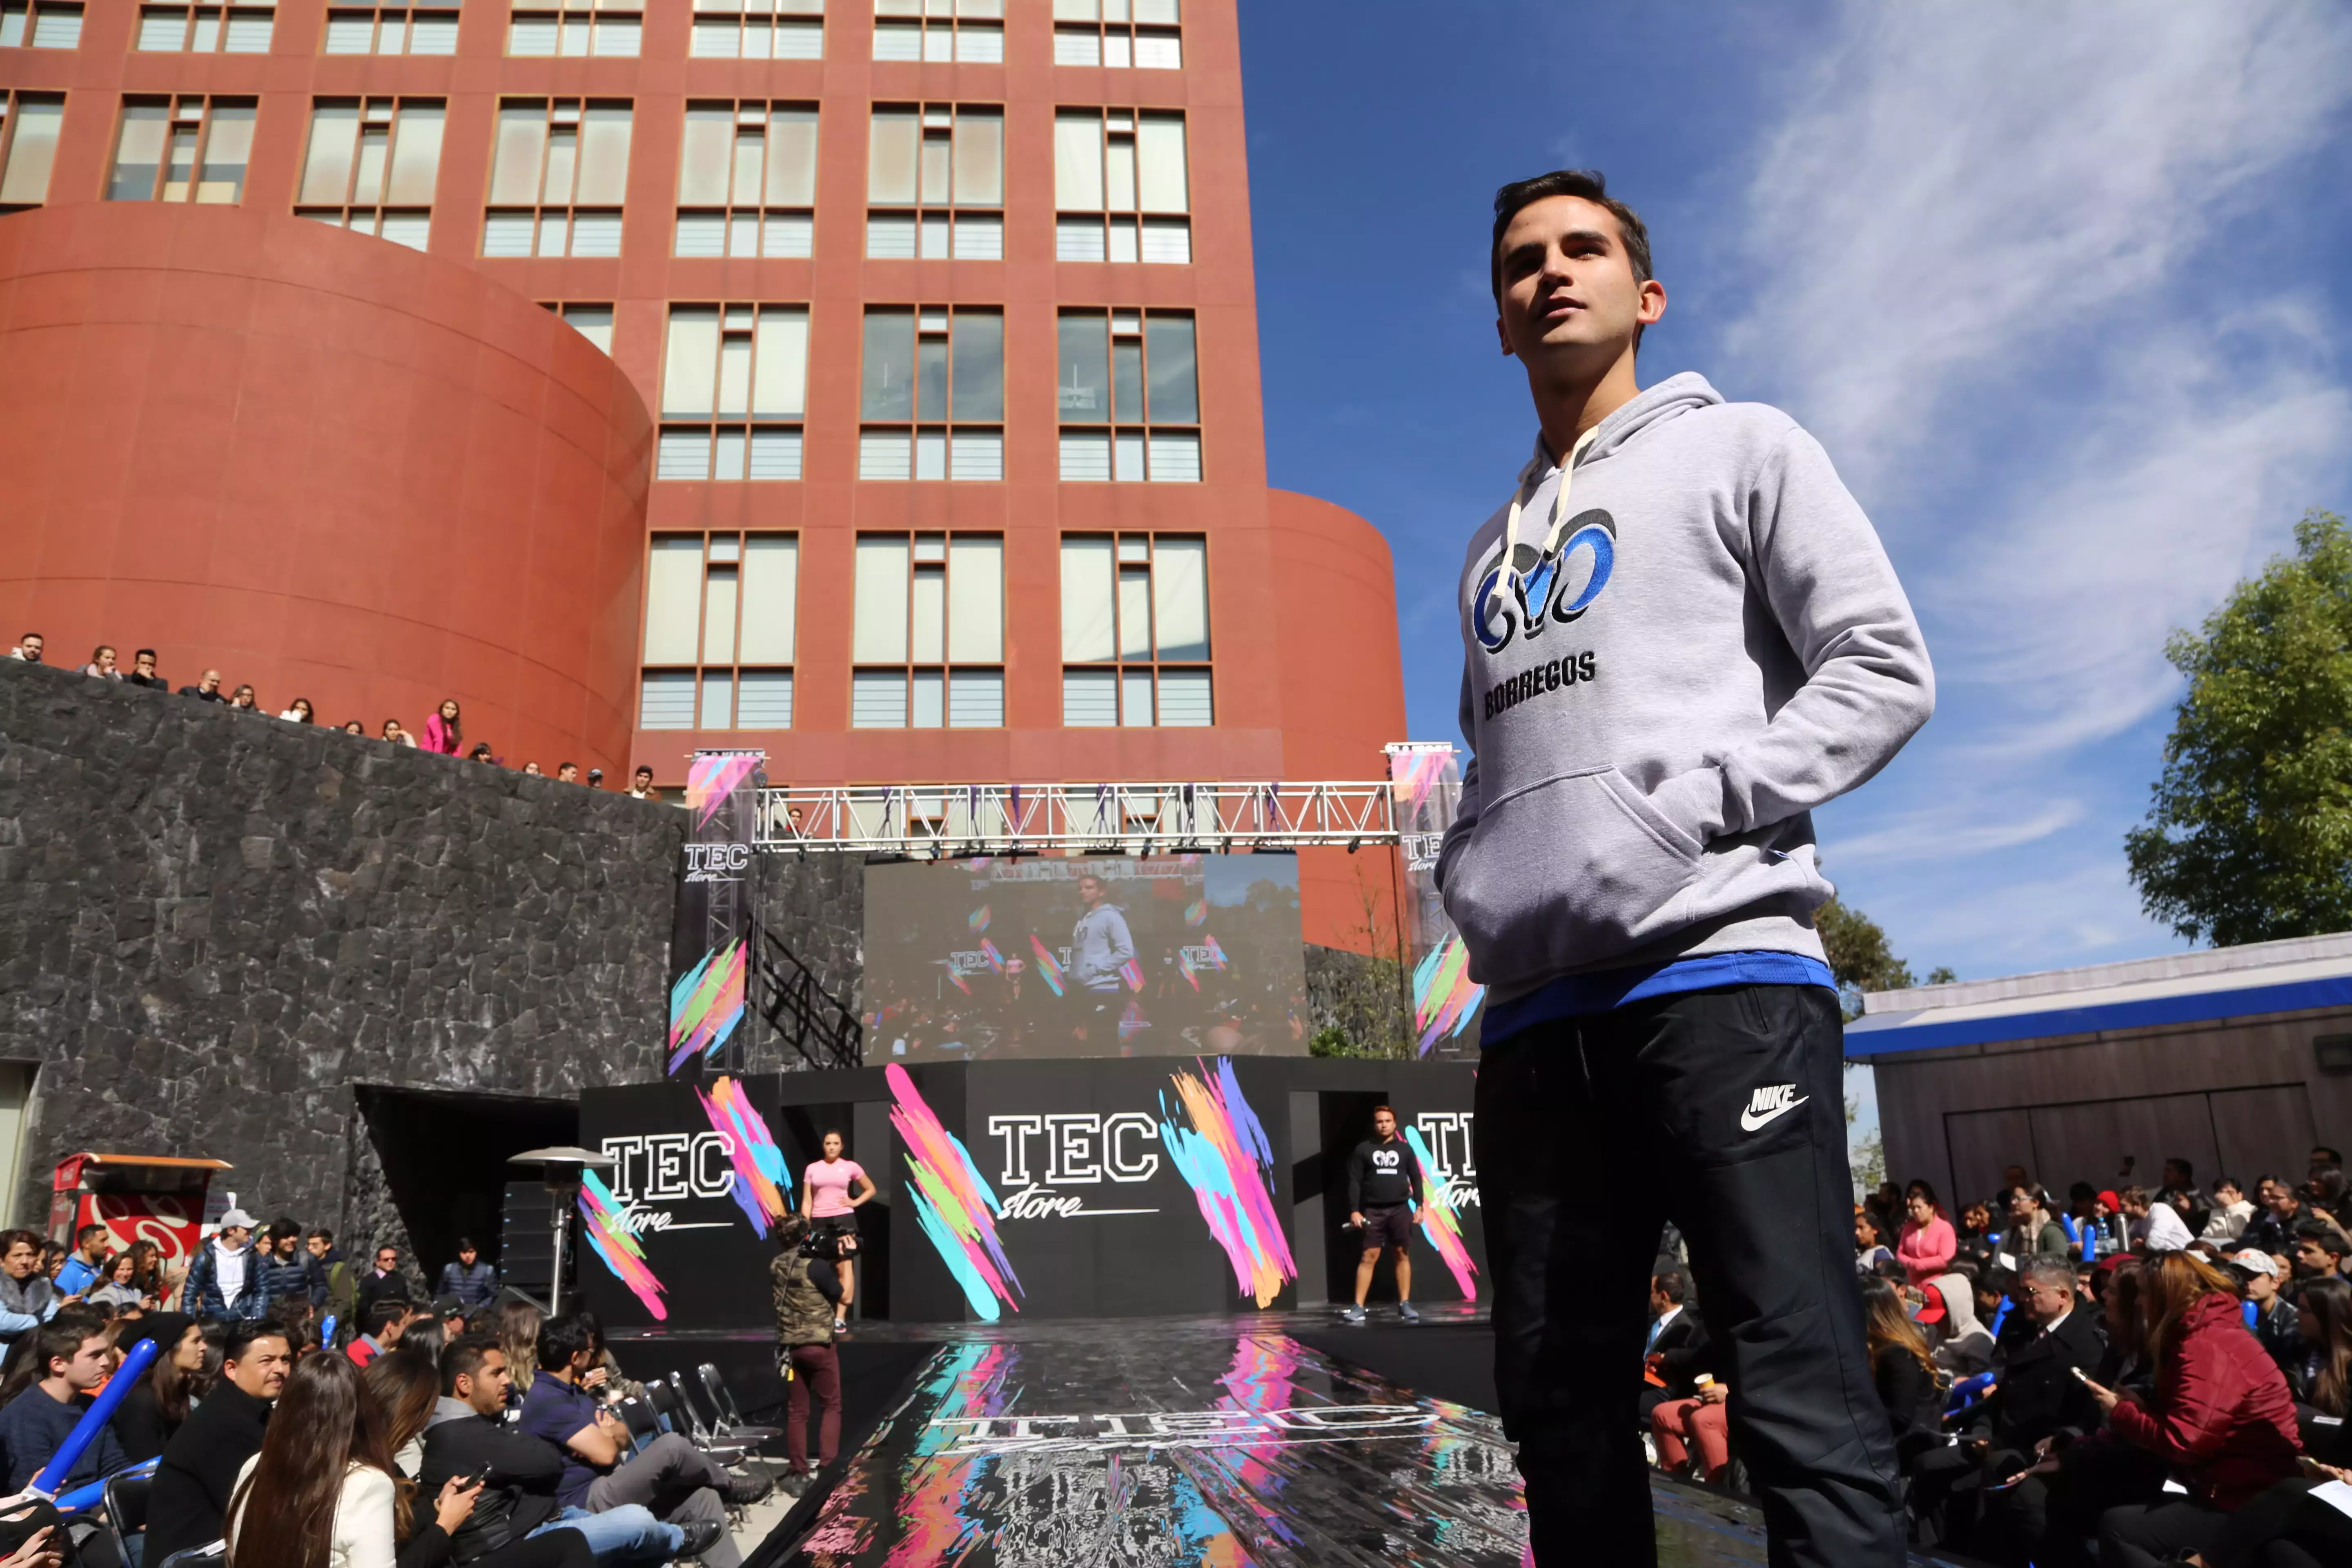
<point>1662,678</point>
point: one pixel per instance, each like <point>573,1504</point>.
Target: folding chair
<point>643,1425</point>
<point>126,1512</point>
<point>665,1400</point>
<point>734,1432</point>
<point>732,1424</point>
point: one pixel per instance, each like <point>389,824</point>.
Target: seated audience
<point>27,1297</point>
<point>1959,1344</point>
<point>299,711</point>
<point>2220,1417</point>
<point>2156,1225</point>
<point>1702,1422</point>
<point>201,1463</point>
<point>381,1322</point>
<point>2321,1382</point>
<point>2231,1213</point>
<point>151,1411</point>
<point>118,1285</point>
<point>1927,1244</point>
<point>322,1490</point>
<point>81,1271</point>
<point>71,1355</point>
<point>1902,1372</point>
<point>2273,1228</point>
<point>2030,1230</point>
<point>1870,1249</point>
<point>670,1476</point>
<point>1670,1361</point>
<point>2319,1249</point>
<point>142,671</point>
<point>469,1436</point>
<point>206,690</point>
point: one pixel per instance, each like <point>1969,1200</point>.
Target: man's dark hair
<point>2322,1235</point>
<point>466,1243</point>
<point>2187,1171</point>
<point>644,769</point>
<point>243,1333</point>
<point>2333,1157</point>
<point>382,1312</point>
<point>320,1233</point>
<point>1586,185</point>
<point>284,1228</point>
<point>463,1357</point>
<point>86,1232</point>
<point>142,653</point>
<point>560,1339</point>
<point>1674,1285</point>
<point>60,1340</point>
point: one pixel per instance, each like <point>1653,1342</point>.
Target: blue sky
<point>2063,289</point>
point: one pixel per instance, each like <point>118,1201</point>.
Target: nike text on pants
<point>1724,1112</point>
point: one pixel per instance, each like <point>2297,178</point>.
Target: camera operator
<point>808,1296</point>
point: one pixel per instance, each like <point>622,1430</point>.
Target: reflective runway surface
<point>1219,1442</point>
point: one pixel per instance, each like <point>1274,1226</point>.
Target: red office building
<point>874,382</point>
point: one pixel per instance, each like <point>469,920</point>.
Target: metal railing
<point>1108,818</point>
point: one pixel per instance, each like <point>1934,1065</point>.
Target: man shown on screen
<point>1100,947</point>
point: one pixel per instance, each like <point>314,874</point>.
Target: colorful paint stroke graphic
<point>978,920</point>
<point>1047,966</point>
<point>1444,999</point>
<point>710,778</point>
<point>995,958</point>
<point>953,1203</point>
<point>600,1216</point>
<point>706,1005</point>
<point>762,1188</point>
<point>1226,1158</point>
<point>1413,775</point>
<point>1440,1222</point>
<point>1133,973</point>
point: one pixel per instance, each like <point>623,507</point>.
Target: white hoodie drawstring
<point>1558,506</point>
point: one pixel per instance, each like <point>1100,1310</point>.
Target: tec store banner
<point>1088,1188</point>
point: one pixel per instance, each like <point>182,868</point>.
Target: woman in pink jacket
<point>1928,1241</point>
<point>441,729</point>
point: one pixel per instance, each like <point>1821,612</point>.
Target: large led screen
<point>1106,957</point>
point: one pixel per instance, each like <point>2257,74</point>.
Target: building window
<point>1134,631</point>
<point>734,386</point>
<point>392,29</point>
<point>576,28</point>
<point>747,180</point>
<point>29,123</point>
<point>372,164</point>
<point>933,402</point>
<point>1129,396</point>
<point>206,29</point>
<point>182,150</point>
<point>1117,33</point>
<point>758,29</point>
<point>557,176</point>
<point>928,633</point>
<point>935,181</point>
<point>593,322</point>
<point>41,25</point>
<point>719,632</point>
<point>971,31</point>
<point>1119,186</point>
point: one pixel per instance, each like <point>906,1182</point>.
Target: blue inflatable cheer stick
<point>90,1496</point>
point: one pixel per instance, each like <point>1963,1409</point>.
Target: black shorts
<point>1391,1225</point>
<point>834,1225</point>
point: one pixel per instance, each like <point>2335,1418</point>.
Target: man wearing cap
<point>224,1282</point>
<point>2275,1316</point>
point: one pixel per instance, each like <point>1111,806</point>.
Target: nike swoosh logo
<point>1749,1121</point>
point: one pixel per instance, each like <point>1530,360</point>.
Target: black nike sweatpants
<point>1723,1110</point>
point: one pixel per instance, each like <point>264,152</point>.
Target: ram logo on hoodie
<point>1565,582</point>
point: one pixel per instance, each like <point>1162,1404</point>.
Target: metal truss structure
<point>942,820</point>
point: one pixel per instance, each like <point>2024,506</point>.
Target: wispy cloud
<point>1999,259</point>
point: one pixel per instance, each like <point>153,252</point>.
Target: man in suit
<point>1677,1341</point>
<point>2036,1396</point>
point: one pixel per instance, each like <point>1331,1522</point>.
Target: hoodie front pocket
<point>1566,873</point>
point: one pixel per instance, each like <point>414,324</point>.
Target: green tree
<point>1861,958</point>
<point>2249,837</point>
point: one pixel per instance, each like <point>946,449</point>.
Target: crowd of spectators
<point>464,1428</point>
<point>2128,1377</point>
<point>443,728</point>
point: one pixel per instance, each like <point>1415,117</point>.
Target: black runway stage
<point>1276,1438</point>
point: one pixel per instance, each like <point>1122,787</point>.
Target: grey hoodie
<point>1716,645</point>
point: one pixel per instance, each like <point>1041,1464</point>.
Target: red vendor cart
<point>138,1197</point>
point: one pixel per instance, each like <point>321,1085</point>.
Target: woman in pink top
<point>831,1190</point>
<point>1928,1241</point>
<point>441,729</point>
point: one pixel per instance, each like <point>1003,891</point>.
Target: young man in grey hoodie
<point>1680,636</point>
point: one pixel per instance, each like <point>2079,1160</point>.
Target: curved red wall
<point>324,464</point>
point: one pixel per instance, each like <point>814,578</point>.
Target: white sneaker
<point>840,1325</point>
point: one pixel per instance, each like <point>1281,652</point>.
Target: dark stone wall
<point>213,925</point>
